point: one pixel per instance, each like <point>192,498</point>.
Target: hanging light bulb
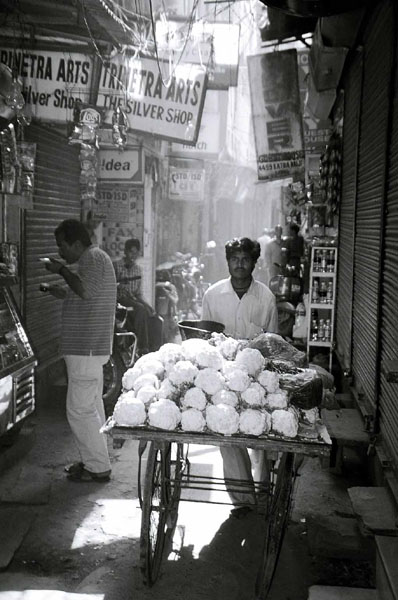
<point>13,96</point>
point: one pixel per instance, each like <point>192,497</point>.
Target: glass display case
<point>17,364</point>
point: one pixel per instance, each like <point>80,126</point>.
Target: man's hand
<point>57,291</point>
<point>54,266</point>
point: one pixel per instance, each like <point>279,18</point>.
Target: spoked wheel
<point>278,517</point>
<point>162,490</point>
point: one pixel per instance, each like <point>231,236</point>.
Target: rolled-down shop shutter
<point>389,321</point>
<point>372,153</point>
<point>56,197</point>
<point>345,276</point>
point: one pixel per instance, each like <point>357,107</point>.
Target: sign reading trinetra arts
<point>154,103</point>
<point>51,81</point>
<point>276,114</point>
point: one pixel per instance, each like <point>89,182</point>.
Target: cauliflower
<point>285,422</point>
<point>147,393</point>
<point>237,379</point>
<point>254,395</point>
<point>209,357</point>
<point>130,376</point>
<point>192,347</point>
<point>164,414</point>
<point>168,390</point>
<point>222,419</point>
<point>129,411</point>
<point>254,422</point>
<point>183,373</point>
<point>229,348</point>
<point>210,381</point>
<point>192,420</point>
<point>225,397</point>
<point>269,380</point>
<point>169,354</point>
<point>276,400</point>
<point>194,398</point>
<point>146,358</point>
<point>145,379</point>
<point>309,416</point>
<point>155,367</point>
<point>250,360</point>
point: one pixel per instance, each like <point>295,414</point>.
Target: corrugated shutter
<point>56,197</point>
<point>373,137</point>
<point>389,320</point>
<point>345,276</point>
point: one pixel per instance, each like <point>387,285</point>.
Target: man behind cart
<point>247,308</point>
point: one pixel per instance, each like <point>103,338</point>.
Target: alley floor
<point>83,538</point>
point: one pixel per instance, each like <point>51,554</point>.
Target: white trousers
<point>240,465</point>
<point>85,409</point>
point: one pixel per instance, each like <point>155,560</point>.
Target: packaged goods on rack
<point>251,392</point>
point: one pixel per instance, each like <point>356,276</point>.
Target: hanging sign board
<point>118,202</point>
<point>155,100</point>
<point>186,184</point>
<point>208,139</point>
<point>276,114</point>
<point>125,166</point>
<point>51,81</point>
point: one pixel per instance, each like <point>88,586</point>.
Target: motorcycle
<point>166,300</point>
<point>122,358</point>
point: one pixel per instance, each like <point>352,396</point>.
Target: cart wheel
<point>278,517</point>
<point>162,489</point>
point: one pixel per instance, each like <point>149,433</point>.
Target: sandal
<point>84,475</point>
<point>74,467</point>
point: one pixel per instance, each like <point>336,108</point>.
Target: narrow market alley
<point>83,538</point>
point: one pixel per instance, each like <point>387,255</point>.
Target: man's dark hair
<point>243,244</point>
<point>72,231</point>
<point>294,227</point>
<point>132,243</point>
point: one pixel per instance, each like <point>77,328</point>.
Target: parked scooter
<point>166,301</point>
<point>122,357</point>
<point>287,289</point>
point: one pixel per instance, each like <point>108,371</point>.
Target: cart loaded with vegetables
<point>215,390</point>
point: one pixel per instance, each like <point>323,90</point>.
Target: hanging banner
<point>276,114</point>
<point>157,98</point>
<point>186,184</point>
<point>51,81</point>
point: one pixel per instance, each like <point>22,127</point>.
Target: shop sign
<point>208,139</point>
<point>155,100</point>
<point>186,184</point>
<point>118,202</point>
<point>121,166</point>
<point>51,81</point>
<point>276,114</point>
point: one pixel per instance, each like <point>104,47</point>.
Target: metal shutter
<point>373,137</point>
<point>56,197</point>
<point>389,318</point>
<point>345,275</point>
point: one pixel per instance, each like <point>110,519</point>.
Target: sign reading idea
<point>155,103</point>
<point>276,115</point>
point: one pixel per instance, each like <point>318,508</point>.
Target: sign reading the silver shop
<point>154,100</point>
<point>186,184</point>
<point>276,115</point>
<point>51,81</point>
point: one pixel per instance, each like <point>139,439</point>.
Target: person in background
<point>261,270</point>
<point>128,277</point>
<point>294,248</point>
<point>88,315</point>
<point>246,308</point>
<point>273,254</point>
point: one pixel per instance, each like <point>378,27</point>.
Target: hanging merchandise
<point>27,160</point>
<point>330,177</point>
<point>9,159</point>
<point>119,128</point>
<point>88,173</point>
<point>86,121</point>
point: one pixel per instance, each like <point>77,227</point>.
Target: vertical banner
<point>276,114</point>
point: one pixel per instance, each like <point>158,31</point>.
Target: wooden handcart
<point>167,473</point>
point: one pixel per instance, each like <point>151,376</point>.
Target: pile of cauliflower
<point>218,385</point>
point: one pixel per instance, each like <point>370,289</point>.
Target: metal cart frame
<point>167,472</point>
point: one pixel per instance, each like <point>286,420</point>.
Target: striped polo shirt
<point>87,323</point>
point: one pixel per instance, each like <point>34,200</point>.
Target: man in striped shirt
<point>88,314</point>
